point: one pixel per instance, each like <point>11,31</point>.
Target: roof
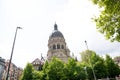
<point>37,61</point>
<point>56,32</point>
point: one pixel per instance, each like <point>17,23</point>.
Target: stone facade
<point>57,46</point>
<point>14,73</point>
<point>19,73</point>
<point>2,67</point>
<point>117,60</point>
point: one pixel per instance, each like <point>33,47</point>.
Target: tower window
<point>62,47</point>
<point>54,46</point>
<point>58,46</point>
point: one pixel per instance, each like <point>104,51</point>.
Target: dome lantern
<point>55,27</point>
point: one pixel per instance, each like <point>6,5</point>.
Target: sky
<point>37,18</point>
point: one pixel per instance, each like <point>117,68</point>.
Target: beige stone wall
<point>63,53</point>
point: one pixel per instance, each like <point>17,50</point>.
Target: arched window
<point>62,47</point>
<point>54,46</point>
<point>58,46</point>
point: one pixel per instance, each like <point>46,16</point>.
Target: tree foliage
<point>57,70</point>
<point>85,55</point>
<point>101,67</point>
<point>37,75</point>
<point>54,71</point>
<point>73,70</point>
<point>112,68</point>
<point>28,72</point>
<point>108,21</point>
<point>98,65</point>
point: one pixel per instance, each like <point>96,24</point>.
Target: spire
<point>42,58</point>
<point>55,26</point>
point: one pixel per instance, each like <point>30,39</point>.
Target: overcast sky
<point>37,18</point>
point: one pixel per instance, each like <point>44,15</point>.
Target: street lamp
<point>86,44</point>
<point>12,52</point>
<point>91,63</point>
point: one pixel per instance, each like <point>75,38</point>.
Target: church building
<point>57,46</point>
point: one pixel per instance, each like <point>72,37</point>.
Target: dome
<point>56,33</point>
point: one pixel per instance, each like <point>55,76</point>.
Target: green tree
<point>54,70</point>
<point>94,64</point>
<point>45,70</point>
<point>85,55</point>
<point>99,66</point>
<point>112,68</point>
<point>28,72</point>
<point>85,71</point>
<point>74,70</point>
<point>86,60</point>
<point>89,72</point>
<point>57,70</point>
<point>38,75</point>
<point>108,22</point>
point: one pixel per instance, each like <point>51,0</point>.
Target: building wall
<point>2,67</point>
<point>117,60</point>
<point>14,73</point>
<point>19,72</point>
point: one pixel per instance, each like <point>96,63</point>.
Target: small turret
<point>55,27</point>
